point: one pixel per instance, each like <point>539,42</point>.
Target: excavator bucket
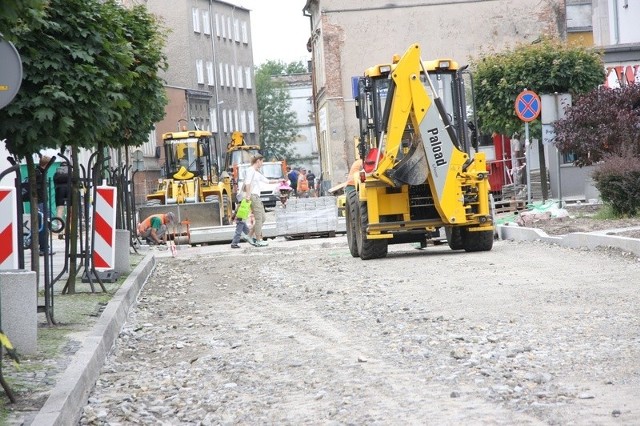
<point>413,169</point>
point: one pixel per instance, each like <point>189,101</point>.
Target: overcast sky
<point>279,30</point>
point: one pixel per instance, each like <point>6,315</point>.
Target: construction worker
<point>154,228</point>
<point>355,168</point>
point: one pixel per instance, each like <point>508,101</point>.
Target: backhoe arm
<point>433,155</point>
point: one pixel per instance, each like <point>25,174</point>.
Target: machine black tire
<point>477,241</point>
<point>351,213</point>
<point>56,225</point>
<point>454,237</point>
<point>368,249</point>
<point>226,209</point>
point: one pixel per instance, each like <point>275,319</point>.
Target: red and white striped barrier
<point>8,229</point>
<point>104,244</point>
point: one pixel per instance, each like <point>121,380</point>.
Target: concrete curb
<point>65,403</point>
<point>590,240</point>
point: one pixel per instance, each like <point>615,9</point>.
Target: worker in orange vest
<point>155,227</point>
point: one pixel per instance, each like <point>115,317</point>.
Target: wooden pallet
<point>308,235</point>
<point>510,206</point>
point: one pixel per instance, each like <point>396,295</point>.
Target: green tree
<point>545,67</point>
<point>276,121</point>
<point>17,12</point>
<point>145,94</point>
<point>90,79</point>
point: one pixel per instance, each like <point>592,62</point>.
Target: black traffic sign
<point>528,105</point>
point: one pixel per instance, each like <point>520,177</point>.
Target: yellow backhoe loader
<point>192,188</point>
<point>418,175</point>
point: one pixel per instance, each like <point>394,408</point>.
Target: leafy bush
<point>618,180</point>
<point>603,121</point>
<point>546,67</point>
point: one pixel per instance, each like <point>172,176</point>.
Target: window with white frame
<point>226,74</point>
<point>199,71</point>
<point>233,76</point>
<point>247,77</point>
<point>240,86</point>
<point>214,120</point>
<point>231,127</point>
<point>221,67</point>
<point>223,24</point>
<point>245,33</point>
<point>229,27</point>
<point>224,120</point>
<point>196,19</point>
<point>149,147</point>
<point>235,119</point>
<point>217,25</point>
<point>206,22</point>
<point>236,30</point>
<point>252,122</point>
<point>243,121</point>
<point>210,79</point>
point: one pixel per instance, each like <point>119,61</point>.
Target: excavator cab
<point>188,157</point>
<point>372,109</point>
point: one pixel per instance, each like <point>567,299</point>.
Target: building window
<point>245,33</point>
<point>236,30</point>
<point>217,25</point>
<point>149,147</point>
<point>224,27</point>
<point>196,19</point>
<point>214,120</point>
<point>199,71</point>
<point>231,127</point>
<point>233,76</point>
<point>235,119</point>
<point>247,77</point>
<point>569,158</point>
<point>226,74</point>
<point>252,122</point>
<point>221,79</point>
<point>229,27</point>
<point>206,23</point>
<point>243,121</point>
<point>240,86</point>
<point>210,79</point>
<point>224,120</point>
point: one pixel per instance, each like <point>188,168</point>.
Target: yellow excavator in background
<point>418,174</point>
<point>192,188</point>
<point>238,153</point>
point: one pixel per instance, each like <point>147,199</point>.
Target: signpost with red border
<point>527,107</point>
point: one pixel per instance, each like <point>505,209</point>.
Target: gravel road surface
<point>302,333</point>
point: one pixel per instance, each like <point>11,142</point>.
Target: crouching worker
<point>154,228</point>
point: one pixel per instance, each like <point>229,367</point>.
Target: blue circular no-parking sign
<point>528,105</point>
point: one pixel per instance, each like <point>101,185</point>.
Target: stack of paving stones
<point>306,217</point>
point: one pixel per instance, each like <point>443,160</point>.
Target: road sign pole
<point>527,157</point>
<point>527,107</point>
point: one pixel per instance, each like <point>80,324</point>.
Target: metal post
<point>526,159</point>
<point>559,178</point>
